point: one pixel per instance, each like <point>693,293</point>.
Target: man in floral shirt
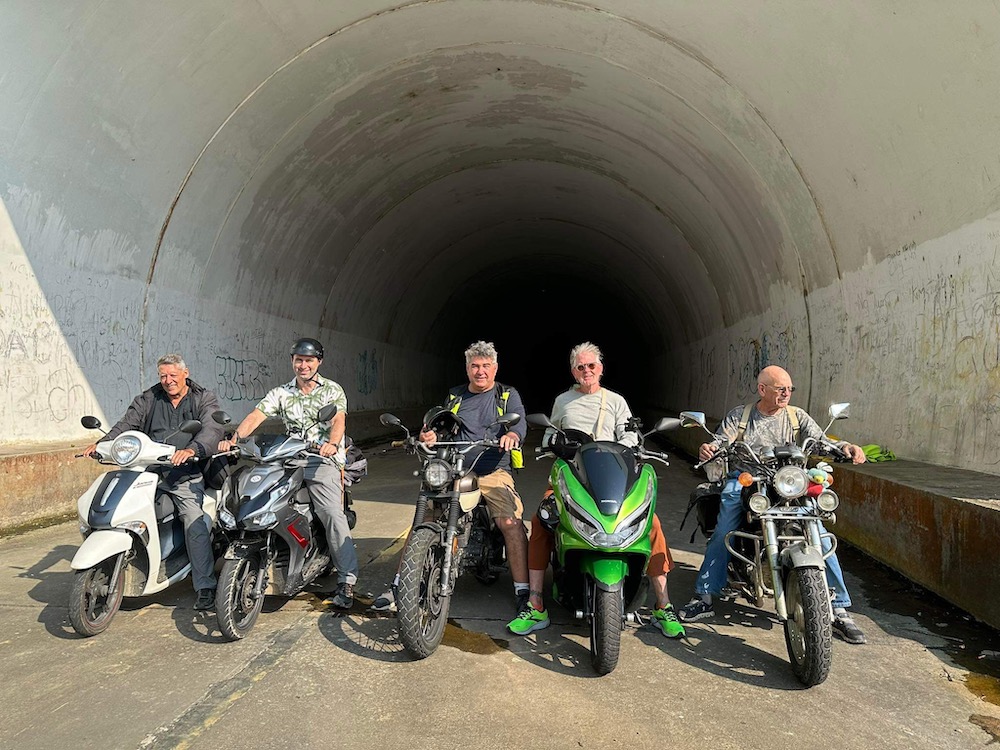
<point>297,403</point>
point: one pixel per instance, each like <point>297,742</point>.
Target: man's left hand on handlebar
<point>326,450</point>
<point>509,441</point>
<point>855,453</point>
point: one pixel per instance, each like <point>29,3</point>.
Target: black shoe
<point>205,600</point>
<point>520,602</point>
<point>846,628</point>
<point>344,598</point>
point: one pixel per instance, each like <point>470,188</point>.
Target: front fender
<point>608,572</point>
<point>99,546</point>
<point>802,555</point>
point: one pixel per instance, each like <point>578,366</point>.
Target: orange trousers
<point>542,543</point>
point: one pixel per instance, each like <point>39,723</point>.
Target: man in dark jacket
<point>158,412</point>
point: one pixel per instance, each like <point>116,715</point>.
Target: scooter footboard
<point>99,546</point>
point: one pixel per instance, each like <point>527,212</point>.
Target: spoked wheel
<point>235,606</point>
<point>606,630</point>
<point>92,605</point>
<point>422,612</point>
<point>808,632</point>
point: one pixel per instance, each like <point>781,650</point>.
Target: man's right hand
<point>706,451</point>
<point>90,450</point>
<point>428,438</point>
<point>226,445</point>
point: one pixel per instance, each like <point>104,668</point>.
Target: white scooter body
<point>118,514</point>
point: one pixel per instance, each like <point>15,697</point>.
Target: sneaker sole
<point>695,618</point>
<point>537,626</point>
<point>668,635</point>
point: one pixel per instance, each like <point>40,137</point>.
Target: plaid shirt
<point>298,410</point>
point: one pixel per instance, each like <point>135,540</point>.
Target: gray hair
<point>579,349</point>
<point>481,349</point>
<point>172,359</point>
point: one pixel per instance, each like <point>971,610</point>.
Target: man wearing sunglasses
<point>768,423</point>
<point>605,415</point>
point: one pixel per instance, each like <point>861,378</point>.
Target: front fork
<point>449,544</point>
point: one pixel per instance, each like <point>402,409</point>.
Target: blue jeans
<point>712,576</point>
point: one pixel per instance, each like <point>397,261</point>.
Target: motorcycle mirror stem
<point>92,423</point>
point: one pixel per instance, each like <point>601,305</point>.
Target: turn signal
<point>745,479</point>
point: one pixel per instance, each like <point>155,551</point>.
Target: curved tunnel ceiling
<point>701,188</point>
<point>386,182</point>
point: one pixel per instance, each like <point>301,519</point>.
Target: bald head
<point>774,385</point>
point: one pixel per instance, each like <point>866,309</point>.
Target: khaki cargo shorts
<point>500,496</point>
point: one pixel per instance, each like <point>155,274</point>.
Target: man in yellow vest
<point>768,423</point>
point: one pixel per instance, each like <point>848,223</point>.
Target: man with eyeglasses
<point>768,423</point>
<point>604,414</point>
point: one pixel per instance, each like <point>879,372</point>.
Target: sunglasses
<point>783,388</point>
<point>587,366</point>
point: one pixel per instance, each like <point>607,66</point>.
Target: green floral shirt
<point>298,410</point>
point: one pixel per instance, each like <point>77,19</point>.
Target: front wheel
<point>236,607</point>
<point>92,605</point>
<point>808,632</point>
<point>422,612</point>
<point>606,630</point>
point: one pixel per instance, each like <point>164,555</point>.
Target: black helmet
<point>307,348</point>
<point>443,421</point>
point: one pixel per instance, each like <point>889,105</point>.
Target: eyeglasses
<point>587,366</point>
<point>782,388</point>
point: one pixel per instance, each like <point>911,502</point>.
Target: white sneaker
<point>384,602</point>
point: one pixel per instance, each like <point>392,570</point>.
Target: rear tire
<point>235,607</point>
<point>90,608</point>
<point>421,611</point>
<point>808,630</point>
<point>606,630</point>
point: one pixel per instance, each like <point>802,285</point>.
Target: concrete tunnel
<point>700,188</point>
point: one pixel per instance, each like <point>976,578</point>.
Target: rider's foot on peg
<point>528,620</point>
<point>384,602</point>
<point>696,609</point>
<point>665,618</point>
<point>344,598</point>
<point>846,628</point>
<point>205,600</point>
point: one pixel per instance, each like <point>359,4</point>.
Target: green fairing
<point>607,570</point>
<point>582,498</point>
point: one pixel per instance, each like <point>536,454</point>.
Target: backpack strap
<point>744,421</point>
<point>793,417</point>
<point>502,393</point>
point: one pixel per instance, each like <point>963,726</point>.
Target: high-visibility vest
<point>502,393</point>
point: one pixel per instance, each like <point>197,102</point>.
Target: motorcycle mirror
<point>91,423</point>
<point>692,419</point>
<point>389,420</point>
<point>840,411</point>
<point>327,413</point>
<point>539,420</point>
<point>666,423</point>
<point>509,420</point>
<point>190,426</point>
<point>220,417</point>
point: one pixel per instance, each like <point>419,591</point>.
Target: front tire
<point>422,612</point>
<point>91,608</point>
<point>606,630</point>
<point>235,607</point>
<point>808,630</point>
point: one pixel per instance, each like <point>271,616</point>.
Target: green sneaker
<point>666,620</point>
<point>528,621</point>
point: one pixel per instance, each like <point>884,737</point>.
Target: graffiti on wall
<point>748,356</point>
<point>240,379</point>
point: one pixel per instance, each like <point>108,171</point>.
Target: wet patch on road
<point>472,642</point>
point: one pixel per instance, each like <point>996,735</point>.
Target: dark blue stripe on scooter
<point>103,506</point>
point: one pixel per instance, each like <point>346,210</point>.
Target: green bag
<point>877,453</point>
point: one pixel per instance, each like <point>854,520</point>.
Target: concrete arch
<point>704,189</point>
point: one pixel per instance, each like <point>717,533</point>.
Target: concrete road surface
<point>162,676</point>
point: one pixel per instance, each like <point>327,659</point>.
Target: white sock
<point>521,588</point>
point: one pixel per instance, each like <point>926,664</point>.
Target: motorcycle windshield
<point>607,470</point>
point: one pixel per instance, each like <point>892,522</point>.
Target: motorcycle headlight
<point>791,482</point>
<point>137,527</point>
<point>827,501</point>
<point>261,519</point>
<point>436,474</point>
<point>226,519</point>
<point>125,449</point>
<point>758,503</point>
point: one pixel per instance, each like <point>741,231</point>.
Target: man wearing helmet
<point>297,403</point>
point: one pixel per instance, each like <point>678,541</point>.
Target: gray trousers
<point>324,483</point>
<point>187,491</point>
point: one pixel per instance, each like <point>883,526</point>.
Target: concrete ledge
<point>937,526</point>
<point>42,483</point>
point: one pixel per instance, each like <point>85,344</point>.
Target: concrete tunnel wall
<point>702,188</point>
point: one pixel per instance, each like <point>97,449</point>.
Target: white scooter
<point>133,540</point>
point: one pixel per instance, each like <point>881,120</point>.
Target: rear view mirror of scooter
<point>539,420</point>
<point>508,420</point>
<point>221,417</point>
<point>327,413</point>
<point>838,411</point>
<point>694,419</point>
<point>91,423</point>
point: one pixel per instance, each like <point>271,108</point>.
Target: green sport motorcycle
<point>600,513</point>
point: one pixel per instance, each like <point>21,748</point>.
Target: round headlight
<point>758,503</point>
<point>125,449</point>
<point>436,474</point>
<point>827,501</point>
<point>791,481</point>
